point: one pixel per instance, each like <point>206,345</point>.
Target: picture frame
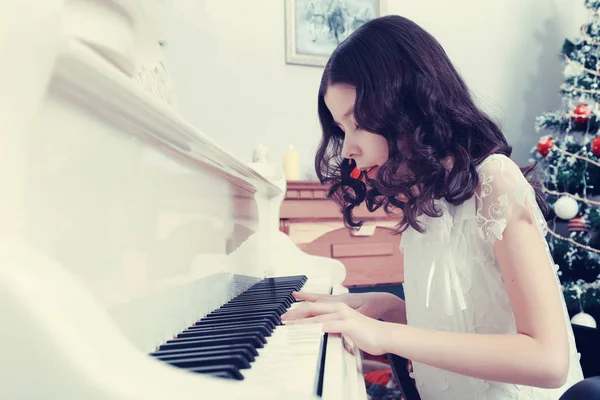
<point>314,28</point>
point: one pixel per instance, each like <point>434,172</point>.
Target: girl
<point>484,317</point>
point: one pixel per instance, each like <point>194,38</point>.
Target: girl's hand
<point>374,305</point>
<point>366,333</point>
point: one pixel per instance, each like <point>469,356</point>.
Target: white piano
<point>122,226</point>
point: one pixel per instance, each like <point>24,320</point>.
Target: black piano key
<point>277,285</point>
<point>257,307</point>
<point>257,303</point>
<point>321,367</point>
<point>247,315</point>
<point>252,339</point>
<point>248,310</point>
<point>272,316</point>
<point>224,331</point>
<point>283,280</point>
<point>221,374</point>
<point>281,286</point>
<point>218,323</point>
<point>285,292</point>
<point>247,355</point>
<point>268,325</point>
<point>267,292</point>
<point>284,302</point>
<point>287,277</point>
<point>262,299</point>
<point>228,370</point>
<point>217,335</point>
<point>254,306</point>
<point>236,314</point>
<point>238,361</point>
<point>244,310</point>
<point>268,295</point>
<point>245,347</point>
<point>273,286</point>
<point>271,290</point>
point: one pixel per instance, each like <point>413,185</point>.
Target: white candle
<point>291,164</point>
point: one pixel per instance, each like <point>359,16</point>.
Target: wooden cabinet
<point>371,255</point>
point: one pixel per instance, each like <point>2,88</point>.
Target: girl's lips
<point>370,172</point>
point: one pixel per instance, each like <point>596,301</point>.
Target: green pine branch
<point>567,174</point>
<point>559,122</point>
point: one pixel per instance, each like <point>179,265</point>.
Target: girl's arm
<point>538,355</point>
<point>396,309</point>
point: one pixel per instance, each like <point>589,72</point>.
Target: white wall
<point>227,61</point>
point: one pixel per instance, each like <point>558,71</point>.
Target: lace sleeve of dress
<point>503,191</point>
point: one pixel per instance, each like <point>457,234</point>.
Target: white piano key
<point>289,359</point>
<point>292,355</point>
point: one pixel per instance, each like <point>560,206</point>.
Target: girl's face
<point>367,149</point>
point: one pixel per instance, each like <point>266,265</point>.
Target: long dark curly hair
<point>407,91</point>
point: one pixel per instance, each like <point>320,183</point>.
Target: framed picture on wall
<point>314,28</point>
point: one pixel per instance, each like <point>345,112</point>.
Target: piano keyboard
<point>245,340</point>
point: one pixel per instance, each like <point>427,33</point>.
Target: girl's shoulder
<point>502,190</point>
<point>501,174</point>
<point>498,163</point>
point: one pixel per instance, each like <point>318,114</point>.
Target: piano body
<point>122,226</point>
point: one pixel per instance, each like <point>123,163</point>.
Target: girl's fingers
<point>309,296</point>
<point>317,319</point>
<point>307,310</point>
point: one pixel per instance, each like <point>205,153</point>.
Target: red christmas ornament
<point>544,145</point>
<point>578,224</point>
<point>582,113</point>
<point>596,146</point>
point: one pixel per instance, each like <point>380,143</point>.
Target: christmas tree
<point>569,155</point>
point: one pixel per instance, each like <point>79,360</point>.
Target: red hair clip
<point>355,174</point>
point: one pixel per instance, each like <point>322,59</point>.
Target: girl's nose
<point>349,150</point>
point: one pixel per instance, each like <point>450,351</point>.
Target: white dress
<point>453,282</point>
